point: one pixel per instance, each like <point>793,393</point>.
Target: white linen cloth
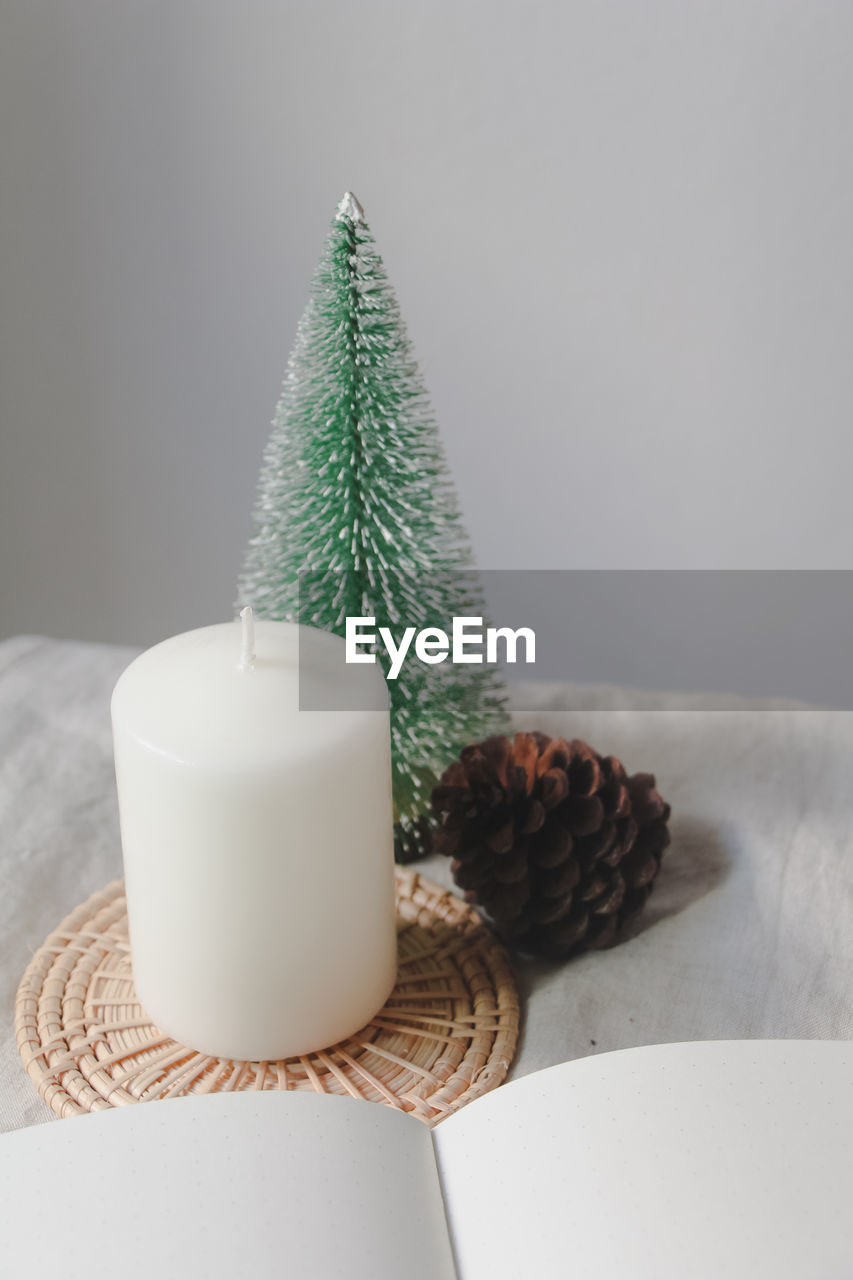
<point>749,932</point>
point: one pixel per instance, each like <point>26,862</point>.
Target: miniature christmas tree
<point>356,515</point>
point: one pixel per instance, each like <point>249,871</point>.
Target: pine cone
<point>556,843</point>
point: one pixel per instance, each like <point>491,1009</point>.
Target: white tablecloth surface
<point>749,932</point>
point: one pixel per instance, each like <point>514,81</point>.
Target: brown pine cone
<point>556,843</point>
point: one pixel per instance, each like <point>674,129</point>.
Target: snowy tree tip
<point>350,208</point>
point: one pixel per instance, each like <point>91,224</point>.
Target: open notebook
<point>675,1162</point>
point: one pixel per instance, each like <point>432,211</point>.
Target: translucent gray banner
<point>706,638</point>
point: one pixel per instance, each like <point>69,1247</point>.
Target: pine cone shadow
<point>695,864</point>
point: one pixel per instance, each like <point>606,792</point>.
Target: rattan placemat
<point>446,1035</point>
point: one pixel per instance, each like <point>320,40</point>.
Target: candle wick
<point>247,651</point>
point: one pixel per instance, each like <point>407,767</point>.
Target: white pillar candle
<point>257,839</point>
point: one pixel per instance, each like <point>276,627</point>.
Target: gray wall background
<point>620,234</point>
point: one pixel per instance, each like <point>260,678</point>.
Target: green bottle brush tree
<point>356,514</point>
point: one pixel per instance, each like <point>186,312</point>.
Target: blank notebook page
<point>225,1186</point>
<point>708,1160</point>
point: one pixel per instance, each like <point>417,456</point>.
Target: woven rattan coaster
<point>446,1035</point>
